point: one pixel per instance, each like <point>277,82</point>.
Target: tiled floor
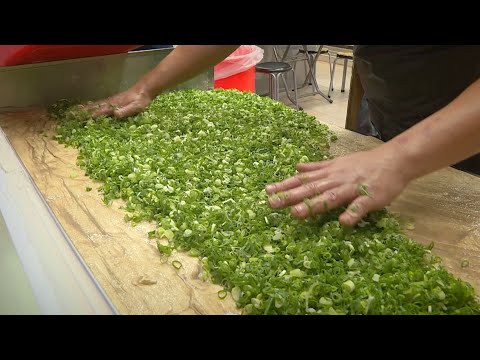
<point>334,113</point>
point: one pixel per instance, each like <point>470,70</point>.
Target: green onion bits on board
<point>196,163</point>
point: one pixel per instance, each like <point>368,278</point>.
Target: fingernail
<point>349,219</point>
<point>269,188</point>
<point>345,221</point>
<point>274,200</point>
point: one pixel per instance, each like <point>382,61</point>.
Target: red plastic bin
<point>11,55</point>
<point>237,71</point>
<point>244,81</point>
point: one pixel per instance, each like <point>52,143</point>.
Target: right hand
<point>366,181</point>
<point>121,105</point>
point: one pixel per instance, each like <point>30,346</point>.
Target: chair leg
<point>345,64</point>
<point>305,69</point>
<point>330,88</point>
<point>330,66</point>
<point>271,86</point>
<point>315,66</point>
<point>307,78</point>
<point>310,78</point>
<point>329,62</point>
<point>277,87</point>
<point>294,66</point>
<point>285,84</point>
<point>295,89</point>
<point>314,73</point>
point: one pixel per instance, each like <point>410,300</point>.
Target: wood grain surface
<point>444,207</point>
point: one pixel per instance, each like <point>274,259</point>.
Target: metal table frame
<point>311,62</point>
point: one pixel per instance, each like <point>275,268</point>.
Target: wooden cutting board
<point>444,207</point>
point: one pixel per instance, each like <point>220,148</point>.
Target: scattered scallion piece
<point>222,294</point>
<point>163,249</point>
<point>193,252</point>
<point>348,286</point>
<point>363,190</point>
<point>176,264</point>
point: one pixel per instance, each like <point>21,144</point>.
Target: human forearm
<point>183,63</point>
<point>370,180</point>
<point>446,137</point>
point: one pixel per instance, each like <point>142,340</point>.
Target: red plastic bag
<point>242,59</point>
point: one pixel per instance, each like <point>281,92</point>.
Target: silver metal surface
<point>92,78</point>
<point>59,278</point>
<point>16,296</point>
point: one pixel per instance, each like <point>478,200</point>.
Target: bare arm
<point>444,138</point>
<point>183,63</point>
<point>370,180</point>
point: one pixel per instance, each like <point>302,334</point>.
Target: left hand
<point>367,180</point>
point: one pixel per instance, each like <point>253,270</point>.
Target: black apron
<point>406,83</point>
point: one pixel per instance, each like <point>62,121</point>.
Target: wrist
<point>399,160</point>
<point>144,90</point>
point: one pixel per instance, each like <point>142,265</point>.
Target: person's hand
<point>121,105</point>
<point>367,181</point>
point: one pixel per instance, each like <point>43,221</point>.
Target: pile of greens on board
<point>197,162</point>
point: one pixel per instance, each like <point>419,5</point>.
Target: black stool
<point>275,70</point>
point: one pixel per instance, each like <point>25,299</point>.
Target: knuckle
<point>331,196</point>
<point>302,178</point>
<point>311,187</point>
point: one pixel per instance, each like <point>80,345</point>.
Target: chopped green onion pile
<point>196,163</point>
